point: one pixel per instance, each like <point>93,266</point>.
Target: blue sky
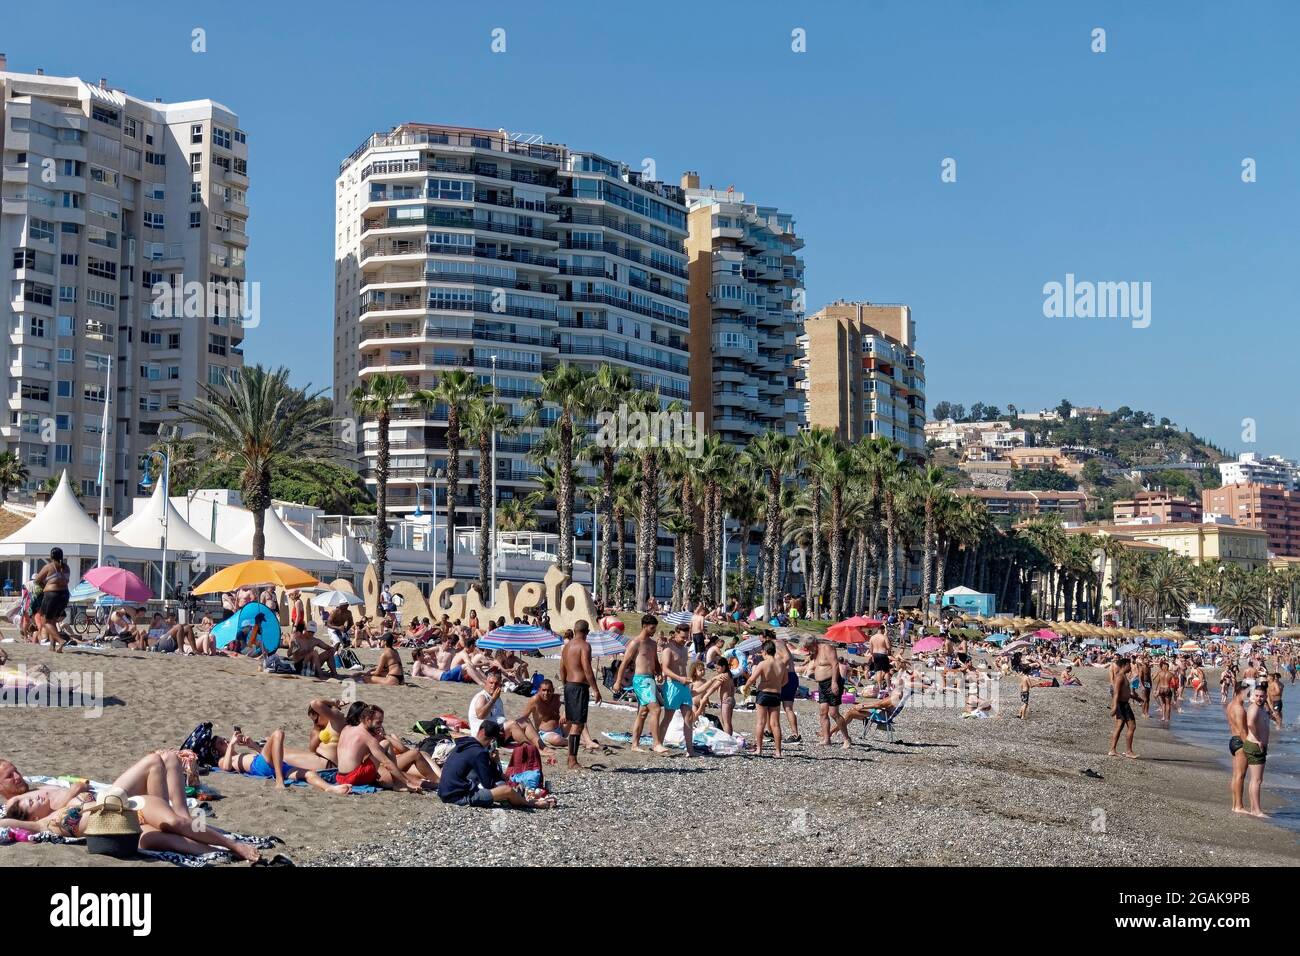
<point>1115,166</point>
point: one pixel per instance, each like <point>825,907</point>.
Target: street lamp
<point>594,543</point>
<point>726,536</point>
<point>435,475</point>
<point>146,483</point>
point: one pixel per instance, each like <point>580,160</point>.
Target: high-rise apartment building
<point>746,313</point>
<point>456,247</point>
<point>1269,508</point>
<point>1251,468</point>
<point>105,197</point>
<point>862,376</point>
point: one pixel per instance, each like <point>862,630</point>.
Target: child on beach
<point>1026,682</point>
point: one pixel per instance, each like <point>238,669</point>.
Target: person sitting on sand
<point>424,663</point>
<point>472,777</point>
<point>270,761</point>
<point>308,653</point>
<point>408,759</point>
<point>328,718</point>
<point>462,668</point>
<point>388,670</point>
<point>362,761</point>
<point>487,705</point>
<point>1068,678</point>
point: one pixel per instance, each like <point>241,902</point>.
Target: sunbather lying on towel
<point>271,761</point>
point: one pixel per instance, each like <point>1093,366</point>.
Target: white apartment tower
<point>474,249</point>
<point>105,196</point>
<point>747,311</point>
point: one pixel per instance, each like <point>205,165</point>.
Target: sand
<point>995,791</point>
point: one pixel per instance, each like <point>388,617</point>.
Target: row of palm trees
<point>839,523</point>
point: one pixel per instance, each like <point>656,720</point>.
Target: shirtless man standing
<point>1256,746</point>
<point>826,671</point>
<point>1120,708</point>
<point>1143,668</point>
<point>579,682</point>
<point>677,689</point>
<point>388,670</point>
<point>697,630</point>
<point>879,647</point>
<point>767,678</point>
<point>1161,687</point>
<point>643,650</point>
<point>1235,711</point>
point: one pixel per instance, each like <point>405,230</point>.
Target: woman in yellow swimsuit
<point>327,719</point>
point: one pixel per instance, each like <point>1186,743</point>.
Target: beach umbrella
<point>1043,634</point>
<point>758,613</point>
<point>1094,642</point>
<point>606,643</point>
<point>926,644</point>
<point>1017,645</point>
<point>1259,629</point>
<point>119,582</point>
<point>333,599</point>
<point>256,574</point>
<point>748,644</point>
<point>1163,642</point>
<point>843,633</point>
<point>1128,649</point>
<point>519,637</point>
<point>862,622</point>
<point>1190,646</point>
<point>677,617</point>
<point>997,638</point>
<point>242,622</point>
<point>85,593</point>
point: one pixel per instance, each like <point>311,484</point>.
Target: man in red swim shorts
<point>363,761</point>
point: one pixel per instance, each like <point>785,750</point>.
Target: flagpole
<point>103,459</point>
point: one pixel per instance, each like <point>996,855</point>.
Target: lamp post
<point>725,538</point>
<point>147,482</point>
<point>594,532</point>
<point>435,475</point>
<point>492,531</point>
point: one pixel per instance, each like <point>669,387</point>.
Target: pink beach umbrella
<point>1045,635</point>
<point>926,644</point>
<point>120,583</point>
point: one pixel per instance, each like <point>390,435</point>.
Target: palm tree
<point>770,456</point>
<point>931,488</point>
<point>743,505</point>
<point>516,514</point>
<point>681,527</point>
<point>485,417</point>
<point>13,474</point>
<point>455,390</point>
<point>378,397</point>
<point>566,387</point>
<point>835,467</point>
<point>625,502</point>
<point>258,424</point>
<point>647,533</point>
<point>880,461</point>
<point>1242,600</point>
<point>813,445</point>
<point>609,387</point>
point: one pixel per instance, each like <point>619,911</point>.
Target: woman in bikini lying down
<point>271,761</point>
<point>157,783</point>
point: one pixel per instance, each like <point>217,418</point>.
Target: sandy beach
<point>946,791</point>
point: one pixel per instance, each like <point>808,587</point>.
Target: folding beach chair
<point>884,720</point>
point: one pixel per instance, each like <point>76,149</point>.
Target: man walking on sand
<point>767,679</point>
<point>1121,709</point>
<point>579,681</point>
<point>643,650</point>
<point>1235,711</point>
<point>1256,746</point>
<point>677,689</point>
<point>830,687</point>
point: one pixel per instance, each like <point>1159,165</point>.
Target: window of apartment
<point>94,393</point>
<point>40,229</point>
<point>221,137</point>
<point>105,206</point>
<point>67,326</point>
<point>196,133</point>
<point>63,422</point>
<point>151,279</point>
<point>36,391</point>
<point>64,388</point>
<point>155,191</point>
<point>196,220</point>
<point>154,220</point>
<point>196,162</point>
<point>67,293</point>
<point>240,137</point>
<point>69,259</point>
<point>222,223</point>
<point>71,200</point>
<point>34,292</point>
<point>196,191</point>
<point>150,403</point>
<point>129,127</point>
<point>131,159</point>
<point>96,362</point>
<point>241,167</point>
<point>36,327</point>
<point>102,267</point>
<point>101,237</point>
<point>106,115</point>
<point>155,159</point>
<point>100,299</point>
<point>216,375</point>
<point>217,344</point>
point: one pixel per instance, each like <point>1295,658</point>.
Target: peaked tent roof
<point>961,591</point>
<point>62,522</point>
<point>282,542</point>
<point>143,529</point>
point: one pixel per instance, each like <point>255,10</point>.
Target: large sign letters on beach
<point>567,601</point>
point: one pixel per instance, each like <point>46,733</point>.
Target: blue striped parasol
<point>606,643</point>
<point>677,617</point>
<point>519,637</point>
<point>87,593</point>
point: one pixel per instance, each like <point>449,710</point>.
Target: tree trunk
<point>564,507</point>
<point>453,485</point>
<point>607,518</point>
<point>688,547</point>
<point>837,547</point>
<point>485,466</point>
<point>620,582</point>
<point>891,549</point>
<point>814,600</point>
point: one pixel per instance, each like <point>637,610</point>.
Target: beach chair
<point>884,720</point>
